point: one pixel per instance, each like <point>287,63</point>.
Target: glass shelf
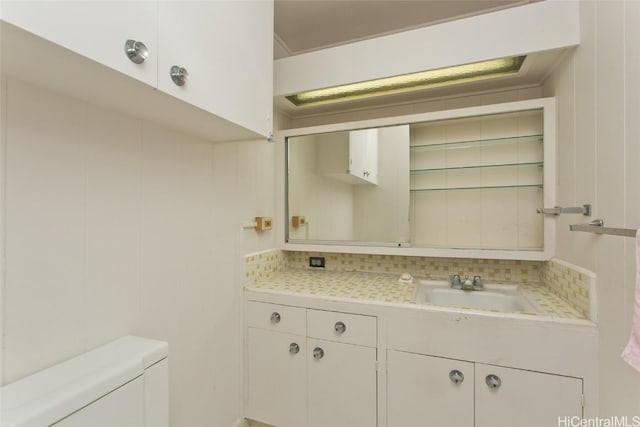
<point>476,142</point>
<point>424,190</point>
<point>502,165</point>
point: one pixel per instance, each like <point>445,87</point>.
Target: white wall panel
<point>116,226</point>
<point>596,89</point>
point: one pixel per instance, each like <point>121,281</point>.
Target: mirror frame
<point>548,107</point>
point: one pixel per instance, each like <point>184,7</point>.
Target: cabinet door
<point>420,391</point>
<point>95,29</point>
<point>342,385</point>
<point>371,156</point>
<point>363,154</point>
<point>276,378</point>
<point>357,153</point>
<point>227,49</point>
<point>525,398</point>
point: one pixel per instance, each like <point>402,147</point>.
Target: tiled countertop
<point>382,288</point>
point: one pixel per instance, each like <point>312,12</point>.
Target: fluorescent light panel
<point>411,82</point>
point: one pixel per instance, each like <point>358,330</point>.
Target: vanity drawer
<point>282,318</point>
<point>342,327</point>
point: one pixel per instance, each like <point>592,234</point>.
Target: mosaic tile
<point>557,287</point>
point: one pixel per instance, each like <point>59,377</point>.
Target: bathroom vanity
<point>330,348</point>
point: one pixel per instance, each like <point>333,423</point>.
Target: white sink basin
<point>506,298</point>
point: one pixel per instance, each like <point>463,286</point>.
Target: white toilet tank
<point>122,384</point>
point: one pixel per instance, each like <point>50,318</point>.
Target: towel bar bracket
<point>558,210</point>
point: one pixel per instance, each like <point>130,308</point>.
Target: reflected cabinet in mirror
<point>349,186</point>
<point>459,181</point>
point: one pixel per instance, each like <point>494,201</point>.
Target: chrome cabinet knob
<point>493,381</point>
<point>275,317</point>
<point>456,376</point>
<point>318,353</point>
<point>340,328</point>
<point>136,51</point>
<point>179,75</point>
<point>294,348</point>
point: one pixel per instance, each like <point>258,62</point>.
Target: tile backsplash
<point>431,268</point>
<point>261,265</point>
<point>572,284</point>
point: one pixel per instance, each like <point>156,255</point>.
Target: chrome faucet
<point>467,284</point>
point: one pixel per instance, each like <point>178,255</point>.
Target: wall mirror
<point>464,181</point>
<point>349,186</point>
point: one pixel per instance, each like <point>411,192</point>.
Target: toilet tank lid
<point>51,394</point>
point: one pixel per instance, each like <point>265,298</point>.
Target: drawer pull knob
<point>318,353</point>
<point>275,317</point>
<point>340,328</point>
<point>493,381</point>
<point>456,376</point>
<point>179,75</point>
<point>136,51</point>
<point>294,348</point>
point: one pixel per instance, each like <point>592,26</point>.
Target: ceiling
<point>307,25</point>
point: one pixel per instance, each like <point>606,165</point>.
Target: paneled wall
<point>115,226</point>
<point>598,93</point>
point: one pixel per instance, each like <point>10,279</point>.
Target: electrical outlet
<point>316,261</point>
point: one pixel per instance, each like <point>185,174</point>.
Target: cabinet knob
<point>136,51</point>
<point>456,376</point>
<point>318,353</point>
<point>340,328</point>
<point>179,75</point>
<point>294,348</point>
<point>493,381</point>
<point>275,317</point>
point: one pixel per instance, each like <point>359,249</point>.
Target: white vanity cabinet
<point>309,367</point>
<point>420,391</point>
<point>526,398</point>
<point>276,377</point>
<point>97,30</point>
<point>465,394</point>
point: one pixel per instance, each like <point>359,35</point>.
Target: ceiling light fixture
<point>411,82</point>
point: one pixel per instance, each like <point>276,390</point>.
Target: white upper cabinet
<point>95,29</point>
<point>363,154</point>
<point>227,49</point>
<point>351,157</point>
<point>222,51</point>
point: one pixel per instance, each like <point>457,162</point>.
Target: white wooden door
<point>525,398</point>
<point>341,385</point>
<point>420,391</point>
<point>227,49</point>
<point>95,29</point>
<point>276,378</point>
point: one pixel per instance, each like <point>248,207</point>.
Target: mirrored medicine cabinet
<point>457,183</point>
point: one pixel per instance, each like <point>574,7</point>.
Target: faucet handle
<point>455,281</point>
<point>477,282</point>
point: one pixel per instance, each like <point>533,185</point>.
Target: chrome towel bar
<point>597,226</point>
